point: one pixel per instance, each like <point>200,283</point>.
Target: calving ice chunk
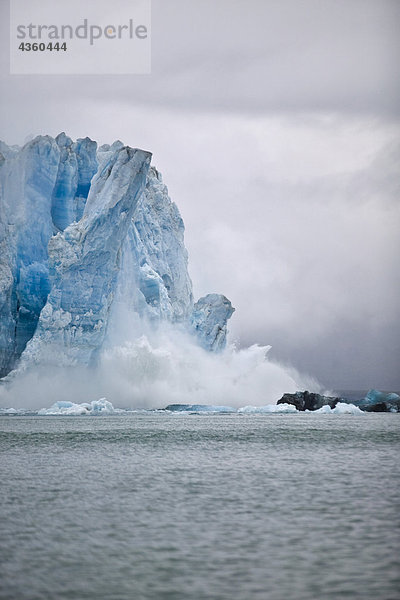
<point>84,230</point>
<point>209,317</point>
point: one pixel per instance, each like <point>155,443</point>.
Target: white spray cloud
<point>146,367</point>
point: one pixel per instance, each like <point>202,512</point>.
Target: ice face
<point>154,271</point>
<point>84,264</point>
<point>64,191</point>
<point>82,232</point>
<point>7,151</point>
<point>27,181</point>
<point>86,156</point>
<point>208,321</point>
<point>77,165</point>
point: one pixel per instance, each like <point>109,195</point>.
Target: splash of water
<point>142,366</point>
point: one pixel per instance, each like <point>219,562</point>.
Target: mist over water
<point>147,366</point>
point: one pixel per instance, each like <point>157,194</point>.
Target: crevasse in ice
<point>77,165</point>
<point>82,228</point>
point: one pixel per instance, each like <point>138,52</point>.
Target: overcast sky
<point>276,127</point>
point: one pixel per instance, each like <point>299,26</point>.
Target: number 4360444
<point>41,47</point>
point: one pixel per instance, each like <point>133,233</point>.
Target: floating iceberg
<point>268,409</point>
<point>96,407</point>
<point>341,408</point>
<point>199,408</point>
<point>376,401</point>
<point>8,412</point>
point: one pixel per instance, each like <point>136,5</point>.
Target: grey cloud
<point>312,268</point>
<point>254,56</point>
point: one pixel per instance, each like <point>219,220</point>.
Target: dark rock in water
<point>376,401</point>
<point>309,400</point>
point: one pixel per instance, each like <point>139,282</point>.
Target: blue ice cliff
<point>81,228</point>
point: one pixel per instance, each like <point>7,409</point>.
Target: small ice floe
<point>96,407</point>
<point>341,408</point>
<point>11,411</point>
<point>269,408</point>
<point>199,408</point>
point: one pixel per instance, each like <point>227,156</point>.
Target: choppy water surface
<point>179,507</point>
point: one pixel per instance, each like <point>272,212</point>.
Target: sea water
<point>207,506</point>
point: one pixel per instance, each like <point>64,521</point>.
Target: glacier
<point>85,230</point>
<point>97,304</point>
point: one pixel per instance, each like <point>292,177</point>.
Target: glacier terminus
<point>83,228</point>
